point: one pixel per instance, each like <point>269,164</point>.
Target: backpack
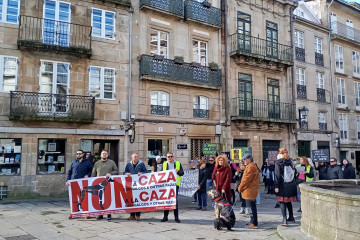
<point>289,174</point>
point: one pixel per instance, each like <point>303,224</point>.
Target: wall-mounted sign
<point>182,146</point>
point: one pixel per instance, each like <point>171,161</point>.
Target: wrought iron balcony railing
<point>166,68</point>
<point>51,35</point>
<point>160,110</point>
<point>201,113</point>
<point>262,110</point>
<point>301,91</point>
<point>175,7</point>
<point>300,54</point>
<point>197,11</point>
<point>242,44</point>
<point>51,107</point>
<point>303,124</point>
<point>319,59</point>
<point>321,97</point>
<point>323,126</point>
<point>339,29</point>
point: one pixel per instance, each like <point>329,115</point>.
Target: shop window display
<point>51,156</point>
<point>10,156</point>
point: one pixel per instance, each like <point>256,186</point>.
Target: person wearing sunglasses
<point>334,171</point>
<point>79,168</point>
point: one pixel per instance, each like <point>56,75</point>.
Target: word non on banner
<point>122,194</point>
<point>189,183</point>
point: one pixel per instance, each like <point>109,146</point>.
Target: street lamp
<point>303,113</point>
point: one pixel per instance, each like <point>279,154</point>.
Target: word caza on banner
<point>122,194</point>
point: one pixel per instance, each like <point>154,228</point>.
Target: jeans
<point>176,211</point>
<point>258,198</point>
<point>209,183</point>
<point>298,193</point>
<point>252,204</point>
<point>195,196</point>
<point>202,196</point>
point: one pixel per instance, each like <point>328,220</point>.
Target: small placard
<point>182,146</point>
<point>321,155</point>
<point>209,148</point>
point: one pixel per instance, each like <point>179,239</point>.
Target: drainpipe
<point>292,74</point>
<point>227,124</point>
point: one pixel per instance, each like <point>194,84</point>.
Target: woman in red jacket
<point>222,177</point>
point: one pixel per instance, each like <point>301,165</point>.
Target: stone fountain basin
<point>331,209</point>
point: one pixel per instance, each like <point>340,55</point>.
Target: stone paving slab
<point>44,218</point>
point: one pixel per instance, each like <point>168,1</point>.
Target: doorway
<point>96,146</point>
<point>269,145</point>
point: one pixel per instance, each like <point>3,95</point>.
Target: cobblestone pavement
<point>48,219</point>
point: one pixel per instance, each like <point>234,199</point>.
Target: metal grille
<point>198,11</point>
<point>196,147</point>
<point>3,192</point>
<point>300,54</point>
<point>301,91</point>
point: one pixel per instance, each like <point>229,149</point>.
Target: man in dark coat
<point>348,170</point>
<point>201,188</point>
<point>334,171</point>
<point>322,168</point>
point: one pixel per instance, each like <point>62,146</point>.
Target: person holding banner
<point>171,164</point>
<point>104,167</point>
<point>222,177</point>
<point>135,166</point>
<point>79,168</point>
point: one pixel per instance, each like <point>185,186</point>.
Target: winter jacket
<point>222,177</point>
<point>233,170</point>
<point>349,171</point>
<point>202,180</point>
<point>322,171</point>
<point>249,186</point>
<point>237,179</point>
<point>209,170</point>
<point>286,189</point>
<point>139,168</point>
<point>334,172</point>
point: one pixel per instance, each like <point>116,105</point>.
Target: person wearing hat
<point>249,187</point>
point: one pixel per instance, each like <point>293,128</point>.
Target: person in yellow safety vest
<point>304,176</point>
<point>171,164</point>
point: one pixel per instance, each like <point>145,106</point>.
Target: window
<point>244,31</point>
<point>299,13</point>
<point>318,45</point>
<point>356,63</point>
<point>102,82</point>
<point>9,11</point>
<point>201,107</point>
<point>343,127</point>
<point>303,120</point>
<point>300,76</point>
<point>272,39</point>
<point>159,43</point>
<point>339,59</point>
<point>320,80</point>
<point>299,39</point>
<point>322,121</point>
<point>103,23</point>
<point>357,94</point>
<point>10,156</point>
<point>8,73</point>
<point>200,54</point>
<point>358,128</point>
<point>341,91</point>
<point>51,156</point>
<point>160,103</point>
<point>245,94</point>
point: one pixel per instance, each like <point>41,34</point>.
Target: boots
<point>290,210</point>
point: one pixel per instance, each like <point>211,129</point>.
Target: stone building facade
<point>316,127</point>
<point>176,78</point>
<point>260,86</point>
<point>64,82</point>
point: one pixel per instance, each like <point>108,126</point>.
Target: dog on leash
<point>225,216</point>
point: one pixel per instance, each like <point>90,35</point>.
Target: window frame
<point>198,51</point>
<point>320,81</point>
<point>299,39</point>
<point>343,127</point>
<point>103,21</point>
<point>4,14</point>
<point>158,100</point>
<point>2,64</point>
<point>318,45</point>
<point>322,117</point>
<point>300,72</point>
<point>341,92</point>
<point>102,84</point>
<point>358,127</point>
<point>11,160</point>
<point>356,63</point>
<point>46,153</point>
<point>197,102</point>
<point>158,44</point>
<point>339,59</point>
<point>357,95</point>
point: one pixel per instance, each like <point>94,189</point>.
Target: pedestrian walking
<point>104,167</point>
<point>285,185</point>
<point>249,187</point>
<point>268,173</point>
<point>222,177</point>
<point>135,166</point>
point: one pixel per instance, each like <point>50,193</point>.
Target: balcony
<point>51,107</point>
<point>261,49</point>
<point>160,110</point>
<point>303,125</point>
<point>262,110</point>
<point>126,3</point>
<point>300,54</point>
<point>301,91</point>
<point>173,7</point>
<point>50,35</point>
<point>167,70</point>
<point>340,30</point>
<point>201,113</point>
<point>322,126</point>
<point>319,59</point>
<point>321,97</point>
<point>197,11</point>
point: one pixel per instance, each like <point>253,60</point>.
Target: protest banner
<point>122,194</point>
<point>209,148</point>
<point>189,183</point>
<point>321,155</point>
<point>238,153</point>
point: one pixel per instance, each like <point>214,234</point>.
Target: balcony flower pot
<point>213,66</point>
<point>206,4</point>
<point>195,64</point>
<point>179,60</point>
<point>158,57</point>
